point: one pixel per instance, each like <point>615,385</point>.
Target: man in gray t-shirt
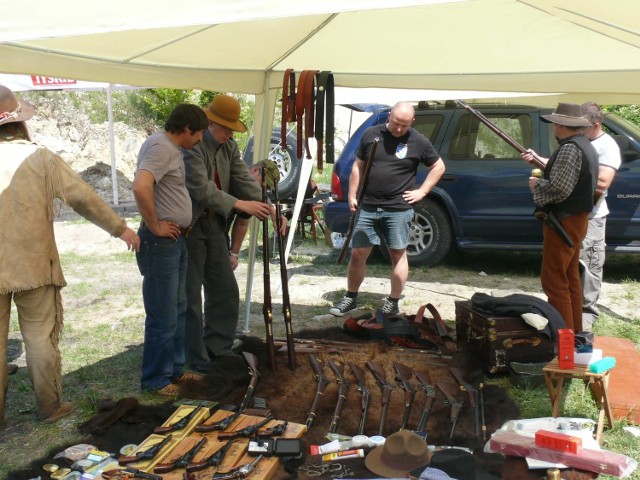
<point>163,200</point>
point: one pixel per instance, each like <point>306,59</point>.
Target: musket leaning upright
<point>359,196</point>
<point>286,301</point>
<point>267,310</point>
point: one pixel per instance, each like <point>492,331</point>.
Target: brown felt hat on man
<point>401,453</point>
<point>12,109</point>
<point>567,114</point>
<point>225,110</point>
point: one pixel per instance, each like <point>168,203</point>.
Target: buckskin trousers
<point>40,319</point>
<point>560,275</point>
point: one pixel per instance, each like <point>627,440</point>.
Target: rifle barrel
<point>267,309</point>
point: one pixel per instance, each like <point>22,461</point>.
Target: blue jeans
<point>391,224</point>
<point>162,262</point>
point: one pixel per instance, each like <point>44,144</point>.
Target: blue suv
<point>483,199</point>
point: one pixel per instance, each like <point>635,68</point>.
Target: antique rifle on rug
<point>455,405</point>
<point>129,472</point>
<point>385,390</point>
<point>212,460</point>
<point>343,389</point>
<point>249,431</point>
<point>146,454</point>
<point>403,377</point>
<point>267,309</point>
<point>359,197</point>
<point>473,395</point>
<point>240,472</point>
<point>223,424</point>
<point>179,424</point>
<point>323,381</point>
<point>424,384</point>
<point>286,301</point>
<point>358,373</point>
<point>182,461</point>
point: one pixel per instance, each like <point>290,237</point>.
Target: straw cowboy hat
<point>402,452</point>
<point>567,114</point>
<point>225,110</point>
<point>12,109</point>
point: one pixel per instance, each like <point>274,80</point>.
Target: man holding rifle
<point>389,192</point>
<point>565,192</point>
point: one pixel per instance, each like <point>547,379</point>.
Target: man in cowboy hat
<point>31,179</point>
<point>566,190</point>
<point>219,182</point>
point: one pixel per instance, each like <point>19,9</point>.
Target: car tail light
<point>336,188</point>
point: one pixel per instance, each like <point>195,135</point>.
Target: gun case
<point>497,341</point>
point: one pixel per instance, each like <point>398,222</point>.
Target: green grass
<point>104,325</point>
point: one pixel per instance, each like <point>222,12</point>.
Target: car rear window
<point>474,140</point>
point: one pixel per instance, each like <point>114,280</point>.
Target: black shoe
<point>389,307</point>
<point>347,304</point>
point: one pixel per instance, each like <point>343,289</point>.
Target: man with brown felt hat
<point>566,191</point>
<point>32,178</point>
<point>218,182</point>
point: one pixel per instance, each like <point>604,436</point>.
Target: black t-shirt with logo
<point>395,164</point>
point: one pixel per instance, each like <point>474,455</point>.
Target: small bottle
<point>536,172</point>
<point>553,474</point>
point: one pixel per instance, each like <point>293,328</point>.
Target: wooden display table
<point>554,377</point>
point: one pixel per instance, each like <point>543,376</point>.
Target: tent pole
<point>112,145</point>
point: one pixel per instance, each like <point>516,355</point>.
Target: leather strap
<point>305,100</point>
<point>325,106</point>
<point>288,103</point>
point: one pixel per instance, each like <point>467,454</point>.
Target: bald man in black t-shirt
<point>390,192</point>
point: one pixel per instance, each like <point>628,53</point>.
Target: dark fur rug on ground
<point>289,395</point>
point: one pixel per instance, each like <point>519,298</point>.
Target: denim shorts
<point>390,224</point>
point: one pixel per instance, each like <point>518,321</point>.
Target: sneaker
<point>389,307</point>
<point>346,305</point>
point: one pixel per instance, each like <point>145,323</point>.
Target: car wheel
<point>286,159</point>
<point>430,237</point>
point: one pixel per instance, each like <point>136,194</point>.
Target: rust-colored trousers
<point>560,276</point>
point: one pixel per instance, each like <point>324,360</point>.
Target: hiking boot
<point>62,411</point>
<point>346,305</point>
<point>389,307</point>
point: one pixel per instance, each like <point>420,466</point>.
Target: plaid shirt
<point>563,176</point>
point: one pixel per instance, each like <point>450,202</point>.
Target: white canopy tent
<point>585,49</point>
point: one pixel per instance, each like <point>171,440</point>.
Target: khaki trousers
<point>40,319</point>
<point>560,274</point>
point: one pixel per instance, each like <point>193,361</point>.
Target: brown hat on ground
<point>225,110</point>
<point>402,452</point>
<point>567,114</point>
<point>12,109</point>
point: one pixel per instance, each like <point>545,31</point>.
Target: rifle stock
<point>343,388</point>
<point>267,309</point>
<point>147,454</point>
<point>359,196</point>
<point>212,460</point>
<point>471,392</point>
<point>385,389</point>
<point>403,375</point>
<point>424,383</point>
<point>252,361</point>
<point>358,373</point>
<point>455,407</point>
<point>286,301</point>
<point>323,381</point>
<point>181,462</point>
<point>179,424</point>
<point>502,134</point>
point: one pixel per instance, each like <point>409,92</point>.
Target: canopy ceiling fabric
<point>587,48</point>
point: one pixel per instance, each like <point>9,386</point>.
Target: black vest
<point>581,199</point>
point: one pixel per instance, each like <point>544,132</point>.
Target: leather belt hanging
<point>325,105</point>
<point>288,103</point>
<point>305,99</point>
